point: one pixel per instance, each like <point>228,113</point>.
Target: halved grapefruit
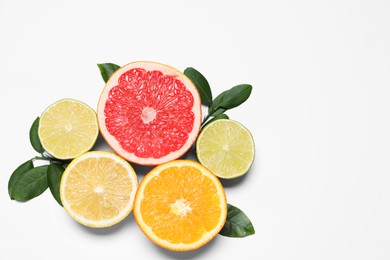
<point>149,113</point>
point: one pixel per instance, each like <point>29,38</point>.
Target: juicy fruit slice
<point>68,128</point>
<point>180,205</point>
<point>149,113</point>
<point>226,147</point>
<point>98,188</point>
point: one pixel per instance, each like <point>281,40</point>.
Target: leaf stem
<point>41,158</point>
<point>205,119</point>
<point>44,158</point>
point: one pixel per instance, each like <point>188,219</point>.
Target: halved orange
<point>180,205</point>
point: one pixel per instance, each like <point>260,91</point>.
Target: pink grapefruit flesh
<point>149,113</point>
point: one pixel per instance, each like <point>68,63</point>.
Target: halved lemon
<point>68,128</point>
<point>226,147</point>
<point>98,188</point>
<point>180,205</point>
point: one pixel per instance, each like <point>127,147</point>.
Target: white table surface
<point>319,114</point>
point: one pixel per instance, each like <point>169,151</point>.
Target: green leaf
<point>237,224</point>
<point>31,184</point>
<point>201,84</point>
<point>34,138</point>
<point>231,98</point>
<point>15,176</point>
<point>107,69</point>
<point>218,111</point>
<point>217,117</point>
<point>54,174</point>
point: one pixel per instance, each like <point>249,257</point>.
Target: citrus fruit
<point>98,188</point>
<point>226,147</point>
<point>68,128</point>
<point>149,113</point>
<point>180,205</point>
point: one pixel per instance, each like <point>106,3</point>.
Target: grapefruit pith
<point>149,113</point>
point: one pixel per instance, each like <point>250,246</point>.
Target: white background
<point>319,114</point>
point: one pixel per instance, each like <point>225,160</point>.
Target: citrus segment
<point>98,189</point>
<point>68,128</point>
<point>180,205</point>
<point>226,147</point>
<point>149,113</point>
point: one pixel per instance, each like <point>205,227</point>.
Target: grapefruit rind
<point>147,229</point>
<point>166,70</point>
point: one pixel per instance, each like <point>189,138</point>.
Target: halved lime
<point>226,147</point>
<point>68,128</point>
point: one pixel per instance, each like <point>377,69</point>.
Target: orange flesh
<point>181,205</point>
